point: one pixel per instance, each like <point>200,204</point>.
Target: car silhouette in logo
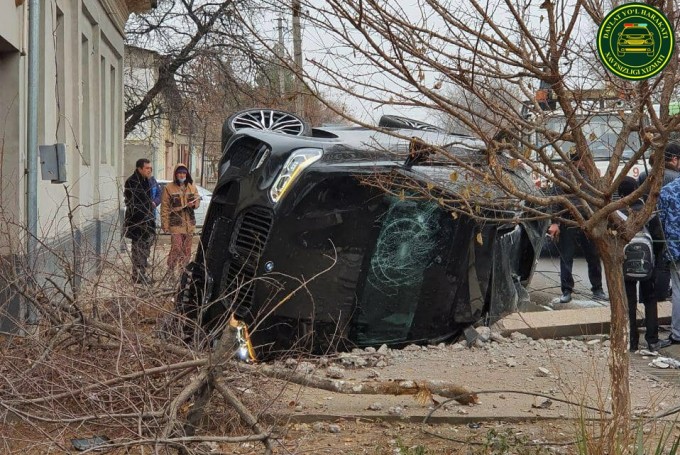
<point>635,39</point>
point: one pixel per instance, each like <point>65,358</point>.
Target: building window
<point>85,107</point>
<point>104,143</point>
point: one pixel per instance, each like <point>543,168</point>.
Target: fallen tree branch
<point>128,377</point>
<point>64,420</point>
<point>245,414</point>
<point>201,387</point>
<point>423,390</point>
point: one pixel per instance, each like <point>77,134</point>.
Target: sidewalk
<point>581,316</point>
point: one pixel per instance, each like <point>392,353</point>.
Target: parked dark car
<point>302,248</point>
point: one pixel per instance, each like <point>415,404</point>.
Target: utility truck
<point>601,117</point>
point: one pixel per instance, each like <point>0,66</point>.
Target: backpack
<point>638,255</point>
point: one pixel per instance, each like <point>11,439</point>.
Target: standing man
<point>140,226</point>
<point>646,288</point>
<point>671,172</point>
<point>179,200</point>
<point>567,237</point>
<point>669,212</point>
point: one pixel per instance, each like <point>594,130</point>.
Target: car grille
<point>248,243</point>
<point>244,151</point>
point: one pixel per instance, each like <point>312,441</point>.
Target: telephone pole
<point>282,55</point>
<point>297,56</point>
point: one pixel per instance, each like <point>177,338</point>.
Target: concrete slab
<point>585,320</point>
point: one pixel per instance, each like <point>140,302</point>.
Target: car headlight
<point>294,165</point>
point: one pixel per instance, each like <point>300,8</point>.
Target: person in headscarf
<point>179,200</point>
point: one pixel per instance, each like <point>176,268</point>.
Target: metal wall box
<point>53,162</point>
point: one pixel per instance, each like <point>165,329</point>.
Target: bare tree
<point>182,34</point>
<point>497,54</point>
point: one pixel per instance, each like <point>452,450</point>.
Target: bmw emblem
<point>269,266</point>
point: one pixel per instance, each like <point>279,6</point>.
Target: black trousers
<point>662,279</point>
<point>566,243</point>
<point>662,271</point>
<point>141,250</point>
<point>648,296</point>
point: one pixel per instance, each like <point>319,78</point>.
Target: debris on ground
<point>664,363</point>
<point>94,443</point>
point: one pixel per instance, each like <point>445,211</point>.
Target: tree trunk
<point>611,254</point>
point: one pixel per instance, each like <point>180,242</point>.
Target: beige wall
<point>81,105</point>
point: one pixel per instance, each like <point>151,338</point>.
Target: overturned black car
<point>308,255</point>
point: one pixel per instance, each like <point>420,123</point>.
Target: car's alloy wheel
<point>395,121</point>
<point>264,119</point>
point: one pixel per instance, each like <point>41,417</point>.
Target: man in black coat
<point>140,224</point>
<point>567,237</point>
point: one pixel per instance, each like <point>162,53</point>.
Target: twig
<point>128,377</point>
<point>245,414</point>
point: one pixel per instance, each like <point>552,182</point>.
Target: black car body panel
<point>337,262</point>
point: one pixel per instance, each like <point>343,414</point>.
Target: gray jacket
<point>668,176</point>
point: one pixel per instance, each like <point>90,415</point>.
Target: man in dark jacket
<point>140,225</point>
<point>647,291</point>
<point>567,237</point>
<point>671,172</point>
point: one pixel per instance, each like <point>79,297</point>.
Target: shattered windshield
<point>601,132</point>
<point>413,248</point>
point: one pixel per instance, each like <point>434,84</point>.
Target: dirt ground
<point>512,378</point>
<point>509,419</point>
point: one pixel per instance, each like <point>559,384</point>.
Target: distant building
<point>167,137</point>
<point>80,105</point>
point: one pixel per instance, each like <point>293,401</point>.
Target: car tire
<point>395,121</point>
<point>264,119</point>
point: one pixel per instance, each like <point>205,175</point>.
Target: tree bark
<point>611,253</point>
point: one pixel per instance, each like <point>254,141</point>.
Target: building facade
<point>80,93</point>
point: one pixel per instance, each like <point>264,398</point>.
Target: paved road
<point>545,286</point>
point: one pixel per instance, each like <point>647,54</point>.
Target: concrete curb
<point>454,420</point>
<point>567,322</point>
